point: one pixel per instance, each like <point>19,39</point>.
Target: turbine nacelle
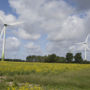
<point>5,25</point>
<point>85,43</point>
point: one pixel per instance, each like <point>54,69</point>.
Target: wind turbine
<point>3,34</point>
<point>85,46</point>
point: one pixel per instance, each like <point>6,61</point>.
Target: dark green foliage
<point>61,59</point>
<point>86,62</point>
<point>69,57</point>
<point>53,58</point>
<point>78,58</point>
<point>34,58</point>
<point>14,60</point>
<point>50,58</point>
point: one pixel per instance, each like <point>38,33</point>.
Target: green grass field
<point>44,76</point>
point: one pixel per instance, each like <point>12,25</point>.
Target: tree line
<point>50,58</point>
<point>13,60</point>
<point>53,58</point>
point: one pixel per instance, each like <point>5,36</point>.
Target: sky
<point>50,26</point>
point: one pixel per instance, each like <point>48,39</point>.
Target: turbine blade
<point>86,39</point>
<point>87,47</point>
<point>2,32</point>
<point>13,24</point>
<point>80,43</point>
<point>2,19</point>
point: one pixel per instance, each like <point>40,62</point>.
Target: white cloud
<point>7,18</point>
<point>12,43</point>
<point>33,49</point>
<point>24,35</point>
<point>25,9</point>
<point>72,28</point>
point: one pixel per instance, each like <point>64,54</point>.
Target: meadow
<point>44,76</point>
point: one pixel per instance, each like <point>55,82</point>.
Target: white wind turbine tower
<point>3,34</point>
<point>85,46</point>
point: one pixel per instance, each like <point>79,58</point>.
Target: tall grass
<point>21,68</point>
<point>49,76</point>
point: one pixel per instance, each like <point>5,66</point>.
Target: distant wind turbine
<point>3,34</point>
<point>85,46</point>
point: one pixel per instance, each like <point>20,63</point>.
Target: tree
<point>61,59</point>
<point>69,57</point>
<point>78,58</point>
<point>52,58</point>
<point>29,58</point>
